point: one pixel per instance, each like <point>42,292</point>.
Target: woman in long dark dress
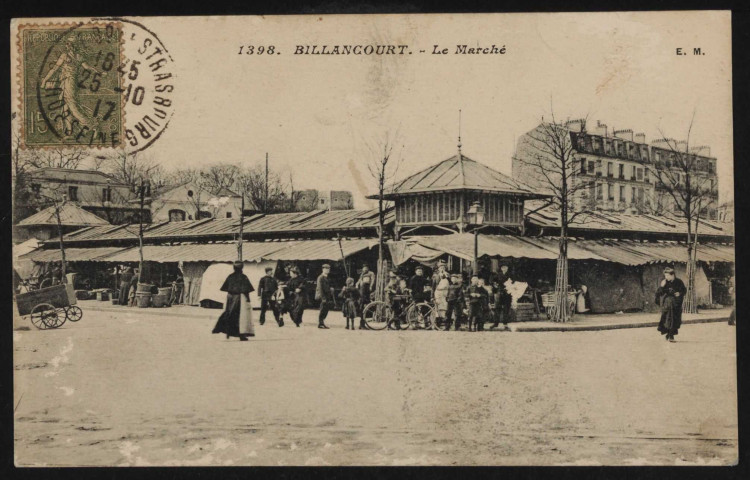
<point>236,285</point>
<point>669,295</point>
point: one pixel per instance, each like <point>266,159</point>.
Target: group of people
<point>476,303</point>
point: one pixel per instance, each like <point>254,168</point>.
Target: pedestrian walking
<point>365,284</point>
<point>125,277</point>
<point>266,288</point>
<point>455,302</point>
<point>297,300</point>
<point>485,302</point>
<point>236,320</point>
<point>502,297</point>
<point>279,302</point>
<point>669,295</point>
<point>350,299</point>
<point>324,294</point>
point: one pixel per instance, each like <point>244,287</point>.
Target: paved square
<point>133,388</point>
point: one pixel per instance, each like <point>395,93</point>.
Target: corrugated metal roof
<point>456,173</point>
<point>626,252</point>
<point>98,254</point>
<point>298,250</point>
<point>71,215</point>
<point>282,223</point>
<point>615,221</point>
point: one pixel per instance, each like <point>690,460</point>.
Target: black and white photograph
<point>497,239</point>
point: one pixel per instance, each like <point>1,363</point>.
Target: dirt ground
<point>133,389</point>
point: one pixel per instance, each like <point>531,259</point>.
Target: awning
<point>298,250</point>
<point>626,252</point>
<point>98,254</point>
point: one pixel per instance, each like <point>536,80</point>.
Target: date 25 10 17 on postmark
<point>103,83</point>
<point>71,91</point>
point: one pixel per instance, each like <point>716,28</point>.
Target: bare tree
<point>269,194</point>
<point>549,161</point>
<point>383,167</point>
<point>684,177</point>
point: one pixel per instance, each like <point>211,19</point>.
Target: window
<point>621,170</point>
<point>622,193</point>
<point>599,191</point>
<point>610,170</point>
<point>640,195</point>
<point>646,176</point>
<point>632,195</point>
<point>229,214</point>
<point>176,215</point>
<point>711,167</point>
<point>592,167</point>
<point>106,194</point>
<point>583,166</point>
<point>73,193</point>
<point>639,174</point>
<point>610,192</point>
<point>203,214</point>
<point>633,173</point>
<point>598,168</point>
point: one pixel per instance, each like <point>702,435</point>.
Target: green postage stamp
<point>71,92</point>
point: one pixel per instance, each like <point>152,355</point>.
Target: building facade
<point>621,170</point>
<point>312,199</point>
<point>93,191</point>
<point>190,202</point>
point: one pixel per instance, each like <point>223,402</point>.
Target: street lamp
<point>475,216</point>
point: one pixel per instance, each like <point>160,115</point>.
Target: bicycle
<point>379,315</point>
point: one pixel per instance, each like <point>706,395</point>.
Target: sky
<point>314,114</point>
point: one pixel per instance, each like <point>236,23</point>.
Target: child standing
<point>351,296</point>
<point>455,300</point>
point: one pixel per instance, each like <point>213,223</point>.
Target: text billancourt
<point>391,50</point>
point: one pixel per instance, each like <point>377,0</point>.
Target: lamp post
<point>475,217</point>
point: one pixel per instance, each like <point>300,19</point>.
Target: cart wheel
<point>377,315</point>
<point>59,319</point>
<point>73,313</point>
<point>421,316</point>
<point>43,316</point>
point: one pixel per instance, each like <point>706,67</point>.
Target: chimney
<point>681,146</point>
<point>601,129</point>
<point>626,134</point>
<point>664,142</point>
<point>640,138</point>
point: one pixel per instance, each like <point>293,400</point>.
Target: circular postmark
<point>105,83</point>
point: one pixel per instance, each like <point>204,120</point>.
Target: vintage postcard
<point>382,240</point>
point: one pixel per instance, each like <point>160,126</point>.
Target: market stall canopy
<point>99,254</point>
<point>546,248</point>
<point>299,250</point>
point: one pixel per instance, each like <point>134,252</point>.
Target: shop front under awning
<point>427,248</point>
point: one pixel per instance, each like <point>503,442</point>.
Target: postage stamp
<point>70,87</point>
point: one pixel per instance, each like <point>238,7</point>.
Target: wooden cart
<point>49,307</point>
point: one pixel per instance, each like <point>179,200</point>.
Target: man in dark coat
<point>502,297</point>
<point>296,296</point>
<point>455,302</point>
<point>324,293</point>
<point>266,288</point>
<point>235,285</point>
<point>125,277</point>
<point>669,295</point>
<point>417,285</point>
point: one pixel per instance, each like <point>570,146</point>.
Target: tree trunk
<point>62,245</point>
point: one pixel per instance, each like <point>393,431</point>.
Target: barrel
<point>115,298</point>
<point>143,288</point>
<point>159,301</point>
<point>165,291</point>
<point>143,299</point>
<point>102,296</point>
